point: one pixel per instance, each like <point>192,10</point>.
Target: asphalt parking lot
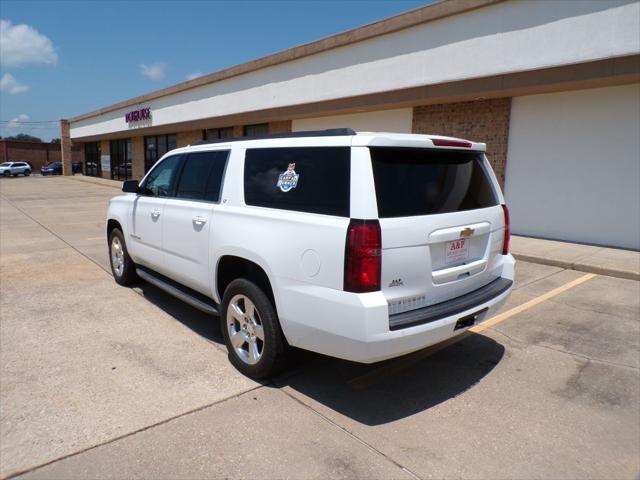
<point>101,381</point>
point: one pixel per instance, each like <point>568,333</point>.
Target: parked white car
<point>15,168</point>
<point>360,246</point>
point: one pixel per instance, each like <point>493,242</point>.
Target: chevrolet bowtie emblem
<point>467,232</point>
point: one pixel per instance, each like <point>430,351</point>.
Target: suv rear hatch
<point>442,224</point>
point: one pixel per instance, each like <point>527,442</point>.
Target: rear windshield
<point>418,181</point>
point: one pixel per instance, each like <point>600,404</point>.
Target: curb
<point>581,267</point>
<point>98,181</point>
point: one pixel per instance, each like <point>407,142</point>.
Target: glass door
<point>92,159</point>
<point>121,159</point>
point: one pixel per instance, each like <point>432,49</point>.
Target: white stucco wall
<point>397,121</point>
<point>573,166</point>
<point>507,37</point>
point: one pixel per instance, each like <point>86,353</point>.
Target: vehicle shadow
<point>387,391</point>
<point>205,325</point>
<point>370,394</point>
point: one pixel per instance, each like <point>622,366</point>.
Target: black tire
<point>27,173</point>
<point>128,275</point>
<point>7,174</point>
<point>274,347</point>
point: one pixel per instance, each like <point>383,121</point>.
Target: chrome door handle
<point>198,220</point>
<point>155,213</point>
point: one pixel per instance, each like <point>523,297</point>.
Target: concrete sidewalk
<point>613,262</point>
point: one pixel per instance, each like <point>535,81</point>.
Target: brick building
<point>37,154</point>
<point>557,104</point>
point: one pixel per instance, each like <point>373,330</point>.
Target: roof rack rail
<point>331,132</point>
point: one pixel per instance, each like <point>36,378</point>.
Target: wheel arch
<point>112,224</point>
<point>232,267</point>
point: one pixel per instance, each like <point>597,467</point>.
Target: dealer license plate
<point>457,250</point>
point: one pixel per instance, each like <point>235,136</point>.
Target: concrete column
<point>137,160</point>
<point>105,149</point>
<point>65,146</point>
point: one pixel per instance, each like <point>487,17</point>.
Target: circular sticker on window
<point>289,179</point>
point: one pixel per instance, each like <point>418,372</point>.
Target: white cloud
<point>24,45</point>
<point>8,84</point>
<point>15,122</point>
<point>193,75</point>
<point>155,71</point>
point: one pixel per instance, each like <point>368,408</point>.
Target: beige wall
<point>397,121</point>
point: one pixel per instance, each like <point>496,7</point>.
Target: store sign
<point>138,115</point>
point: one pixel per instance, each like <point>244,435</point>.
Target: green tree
<point>23,137</point>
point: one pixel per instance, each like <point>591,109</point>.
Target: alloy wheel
<point>245,330</point>
<point>117,256</point>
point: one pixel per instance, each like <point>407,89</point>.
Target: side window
<point>304,179</point>
<point>201,177</point>
<point>161,181</point>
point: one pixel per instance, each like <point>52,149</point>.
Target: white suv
<point>14,168</point>
<point>362,246</point>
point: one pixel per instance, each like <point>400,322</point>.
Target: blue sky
<point>63,58</point>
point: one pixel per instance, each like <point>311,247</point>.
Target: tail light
<point>507,231</point>
<point>363,256</point>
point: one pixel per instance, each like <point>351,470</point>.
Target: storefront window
<point>92,159</point>
<point>256,130</point>
<point>155,147</point>
<point>121,159</point>
<point>217,133</point>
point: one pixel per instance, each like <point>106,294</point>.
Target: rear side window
<point>305,179</point>
<point>417,181</point>
<point>201,176</point>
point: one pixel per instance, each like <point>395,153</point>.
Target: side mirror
<point>130,186</point>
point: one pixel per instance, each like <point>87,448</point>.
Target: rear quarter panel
<point>291,247</point>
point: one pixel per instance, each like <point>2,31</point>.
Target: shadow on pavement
<point>370,394</point>
<point>398,388</point>
<point>205,325</point>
